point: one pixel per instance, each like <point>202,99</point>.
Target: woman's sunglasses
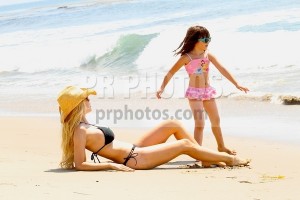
<point>205,40</point>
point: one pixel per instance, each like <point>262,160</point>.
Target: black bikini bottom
<point>131,155</point>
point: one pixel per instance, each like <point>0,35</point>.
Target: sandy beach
<point>30,153</point>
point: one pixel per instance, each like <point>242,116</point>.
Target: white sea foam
<point>259,49</point>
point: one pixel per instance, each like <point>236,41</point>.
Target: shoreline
<point>240,118</point>
<point>39,104</point>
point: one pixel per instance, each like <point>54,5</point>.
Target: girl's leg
<point>161,133</point>
<point>197,110</point>
<point>152,156</point>
<point>211,109</point>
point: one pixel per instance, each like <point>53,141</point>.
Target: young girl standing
<point>196,59</point>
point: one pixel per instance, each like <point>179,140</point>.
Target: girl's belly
<point>198,81</point>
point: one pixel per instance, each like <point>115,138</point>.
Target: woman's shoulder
<point>86,129</point>
<point>80,130</point>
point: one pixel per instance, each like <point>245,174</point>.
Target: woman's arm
<point>79,140</point>
<point>86,166</point>
<point>226,73</point>
<point>181,61</point>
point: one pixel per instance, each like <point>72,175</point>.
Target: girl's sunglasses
<point>87,99</point>
<point>205,40</point>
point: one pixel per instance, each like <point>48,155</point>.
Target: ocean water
<point>126,47</point>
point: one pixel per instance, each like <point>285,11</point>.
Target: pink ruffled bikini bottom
<point>200,93</point>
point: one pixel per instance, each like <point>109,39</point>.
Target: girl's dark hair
<point>191,38</point>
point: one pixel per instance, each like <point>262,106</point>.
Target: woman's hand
<point>242,88</point>
<point>158,93</point>
<point>121,167</point>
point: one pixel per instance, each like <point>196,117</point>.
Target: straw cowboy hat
<point>70,97</point>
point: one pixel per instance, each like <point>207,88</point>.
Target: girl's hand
<point>121,167</point>
<point>242,88</point>
<point>158,93</point>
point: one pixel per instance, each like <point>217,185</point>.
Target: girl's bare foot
<point>236,161</point>
<point>226,150</point>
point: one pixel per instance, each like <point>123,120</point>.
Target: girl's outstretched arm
<point>181,61</point>
<point>226,73</point>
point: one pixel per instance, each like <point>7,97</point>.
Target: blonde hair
<point>68,128</point>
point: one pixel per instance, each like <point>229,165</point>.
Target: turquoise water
<point>45,45</point>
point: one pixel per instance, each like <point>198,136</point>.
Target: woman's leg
<point>152,156</point>
<point>198,113</point>
<point>162,132</point>
<point>211,109</point>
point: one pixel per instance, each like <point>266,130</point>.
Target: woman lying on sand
<point>147,153</point>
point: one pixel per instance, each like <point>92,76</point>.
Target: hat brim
<point>84,94</point>
<point>88,91</point>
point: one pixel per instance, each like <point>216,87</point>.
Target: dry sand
<point>30,153</point>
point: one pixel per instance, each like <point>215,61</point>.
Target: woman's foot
<point>209,164</point>
<point>226,150</point>
<point>236,161</point>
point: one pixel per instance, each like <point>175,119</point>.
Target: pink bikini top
<point>197,66</point>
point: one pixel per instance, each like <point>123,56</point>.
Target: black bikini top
<point>109,136</point>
